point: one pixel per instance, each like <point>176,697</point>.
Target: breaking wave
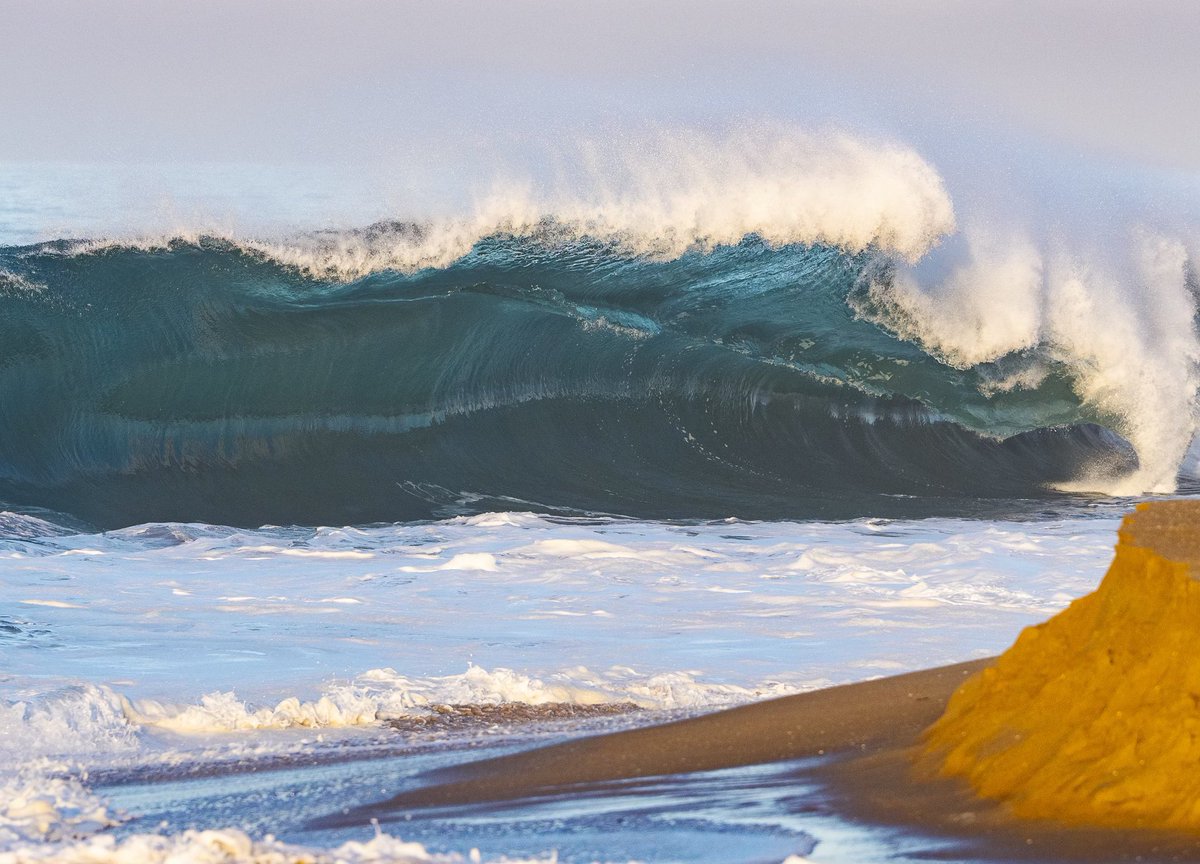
<point>743,334</point>
<point>91,721</point>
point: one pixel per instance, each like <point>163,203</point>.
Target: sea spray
<point>1121,327</point>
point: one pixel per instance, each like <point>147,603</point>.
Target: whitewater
<point>201,650</point>
<point>296,507</point>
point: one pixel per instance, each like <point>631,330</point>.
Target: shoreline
<point>862,746</point>
<point>894,787</point>
<point>868,716</point>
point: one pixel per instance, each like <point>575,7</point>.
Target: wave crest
<point>656,197</point>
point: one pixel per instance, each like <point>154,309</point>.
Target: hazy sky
<point>279,81</point>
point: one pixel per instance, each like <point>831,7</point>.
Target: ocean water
<point>283,475</point>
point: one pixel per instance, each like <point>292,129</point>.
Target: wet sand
<point>894,786</point>
<point>824,722</point>
<point>458,717</point>
<point>872,772</point>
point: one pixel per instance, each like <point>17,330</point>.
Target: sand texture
<point>1094,716</point>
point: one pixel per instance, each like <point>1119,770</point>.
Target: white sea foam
<point>91,720</point>
<point>113,723</point>
<point>86,719</point>
<point>225,846</point>
<point>43,819</point>
<point>666,616</point>
<point>38,807</point>
<point>48,812</point>
<point>223,622</point>
<point>210,609</point>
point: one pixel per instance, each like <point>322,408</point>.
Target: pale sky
<point>274,81</point>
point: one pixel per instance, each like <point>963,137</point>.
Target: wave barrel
<point>204,381</point>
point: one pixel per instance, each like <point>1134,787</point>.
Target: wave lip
<point>658,196</point>
<point>1122,332</point>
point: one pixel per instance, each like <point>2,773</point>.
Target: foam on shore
<point>1094,716</point>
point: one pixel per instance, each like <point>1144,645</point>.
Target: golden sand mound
<point>1094,716</point>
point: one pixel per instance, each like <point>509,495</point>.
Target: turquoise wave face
<point>205,381</point>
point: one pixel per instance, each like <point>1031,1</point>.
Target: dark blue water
<point>206,381</point>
